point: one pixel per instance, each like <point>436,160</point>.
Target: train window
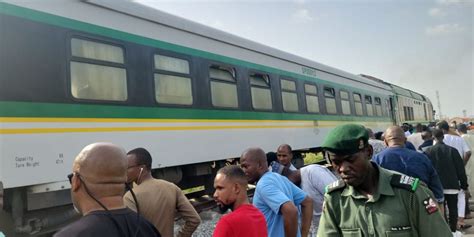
<point>100,74</point>
<point>98,51</point>
<point>223,86</point>
<point>260,90</point>
<point>312,100</point>
<point>171,64</point>
<point>172,81</point>
<point>289,96</point>
<point>368,103</point>
<point>345,102</point>
<point>330,99</point>
<point>378,106</point>
<point>358,104</point>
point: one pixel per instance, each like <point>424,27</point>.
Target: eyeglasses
<point>69,176</point>
<point>134,166</point>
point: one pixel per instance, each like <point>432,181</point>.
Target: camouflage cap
<point>347,139</point>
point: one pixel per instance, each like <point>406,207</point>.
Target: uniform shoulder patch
<point>335,186</point>
<point>405,182</point>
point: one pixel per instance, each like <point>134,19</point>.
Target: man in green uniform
<point>370,200</point>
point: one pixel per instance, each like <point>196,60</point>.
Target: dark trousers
<point>451,201</point>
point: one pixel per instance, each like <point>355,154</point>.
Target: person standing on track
<point>159,199</point>
<point>231,193</point>
<point>276,197</point>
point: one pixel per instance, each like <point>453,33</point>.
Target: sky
<point>426,46</point>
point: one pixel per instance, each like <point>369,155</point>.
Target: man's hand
<point>290,218</point>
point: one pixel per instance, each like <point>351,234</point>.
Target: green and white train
<point>76,72</point>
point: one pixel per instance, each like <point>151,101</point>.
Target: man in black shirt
<point>97,185</point>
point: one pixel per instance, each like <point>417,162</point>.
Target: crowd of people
<point>387,183</point>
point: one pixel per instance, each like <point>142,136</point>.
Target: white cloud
<point>302,15</point>
<point>450,2</point>
<point>436,12</point>
<point>299,1</point>
<point>444,29</point>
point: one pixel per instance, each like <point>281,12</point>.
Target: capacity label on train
<point>26,162</point>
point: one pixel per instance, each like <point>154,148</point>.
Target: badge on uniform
<point>430,206</point>
<point>361,144</point>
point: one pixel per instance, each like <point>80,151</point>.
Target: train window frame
<point>311,95</point>
<point>156,71</point>
<point>97,63</point>
<point>260,86</point>
<point>332,96</point>
<point>293,91</point>
<point>356,102</point>
<point>348,100</point>
<point>368,100</point>
<point>233,72</point>
<point>377,113</point>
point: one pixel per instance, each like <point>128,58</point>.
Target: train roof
<point>159,17</point>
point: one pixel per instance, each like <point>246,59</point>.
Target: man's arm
<point>328,226</point>
<point>306,215</point>
<point>428,220</point>
<point>188,213</point>
<point>290,217</point>
<point>467,156</point>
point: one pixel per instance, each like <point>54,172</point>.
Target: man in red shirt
<point>231,193</point>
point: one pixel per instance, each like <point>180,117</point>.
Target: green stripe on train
<point>51,19</point>
<point>63,110</point>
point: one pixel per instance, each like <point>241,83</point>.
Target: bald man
<point>399,158</point>
<point>276,197</point>
<point>97,180</point>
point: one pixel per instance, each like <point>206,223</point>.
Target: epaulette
<point>335,186</point>
<point>404,181</point>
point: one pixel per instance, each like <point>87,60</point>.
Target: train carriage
<point>76,72</point>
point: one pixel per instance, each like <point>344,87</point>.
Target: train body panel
<point>232,94</point>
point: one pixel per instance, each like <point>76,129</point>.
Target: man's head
<point>443,125</point>
<point>426,135</point>
<point>462,128</point>
<point>348,151</point>
<point>394,136</point>
<point>418,127</point>
<point>284,155</point>
<point>254,163</point>
<point>438,135</point>
<point>99,171</point>
<point>139,164</point>
<point>231,187</point>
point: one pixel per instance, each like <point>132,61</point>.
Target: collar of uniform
<point>383,187</point>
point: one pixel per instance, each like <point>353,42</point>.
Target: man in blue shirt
<point>276,197</point>
<point>398,158</point>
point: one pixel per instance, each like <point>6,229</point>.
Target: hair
<point>378,135</point>
<point>143,156</point>
<point>425,135</point>
<point>443,125</point>
<point>287,146</point>
<point>271,156</point>
<point>462,128</point>
<point>235,173</point>
<point>438,134</point>
<point>370,132</point>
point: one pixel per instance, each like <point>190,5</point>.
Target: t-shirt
<point>246,221</point>
<point>415,139</point>
<point>314,179</point>
<point>158,201</point>
<point>101,223</point>
<point>456,142</point>
<point>272,191</point>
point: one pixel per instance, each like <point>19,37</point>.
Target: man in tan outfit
<point>158,199</point>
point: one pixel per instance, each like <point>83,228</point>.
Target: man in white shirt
<point>416,138</point>
<point>465,152</point>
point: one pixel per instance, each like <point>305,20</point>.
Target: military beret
<point>347,139</point>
